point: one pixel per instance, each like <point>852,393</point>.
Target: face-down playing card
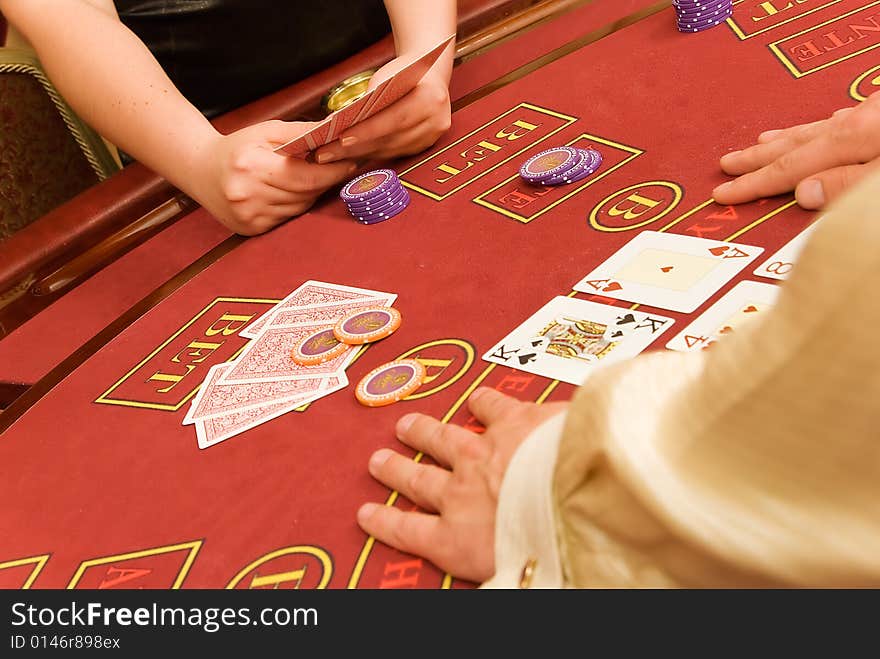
<point>568,338</point>
<point>264,382</point>
<point>217,398</point>
<point>267,357</point>
<point>316,301</point>
<point>214,429</point>
<point>668,271</point>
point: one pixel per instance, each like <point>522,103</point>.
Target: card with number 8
<point>780,265</point>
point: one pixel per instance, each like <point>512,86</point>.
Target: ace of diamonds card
<point>668,271</point>
<point>568,338</point>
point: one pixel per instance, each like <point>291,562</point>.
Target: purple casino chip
<point>704,25</point>
<point>584,160</point>
<point>702,15</point>
<point>703,12</point>
<point>387,214</point>
<point>367,213</point>
<point>696,16</point>
<point>378,202</point>
<point>369,185</point>
<point>592,161</point>
<point>380,209</point>
<point>702,6</point>
<point>582,170</point>
<point>688,22</point>
<point>549,163</point>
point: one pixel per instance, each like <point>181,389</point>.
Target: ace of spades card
<point>568,338</point>
<point>668,271</point>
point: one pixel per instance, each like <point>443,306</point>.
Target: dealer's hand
<point>250,188</point>
<point>818,160</point>
<point>457,533</point>
<point>407,126</point>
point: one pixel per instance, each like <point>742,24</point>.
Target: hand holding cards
<point>380,97</point>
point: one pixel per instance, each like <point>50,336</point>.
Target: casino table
<point>105,488</point>
<point>137,200</point>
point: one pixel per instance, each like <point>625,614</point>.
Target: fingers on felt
<point>819,190</point>
<point>422,484</point>
<point>490,406</point>
<point>841,130</point>
<point>442,441</point>
<point>762,154</point>
<point>831,149</point>
<point>411,532</point>
<point>802,129</point>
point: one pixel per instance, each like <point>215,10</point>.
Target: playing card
<point>316,136</point>
<point>744,302</point>
<point>215,429</point>
<point>375,100</point>
<point>313,294</point>
<point>353,112</point>
<point>330,128</point>
<point>566,339</point>
<point>621,327</point>
<point>267,357</point>
<point>780,265</point>
<point>402,82</point>
<point>668,271</point>
<point>216,398</point>
<point>327,314</point>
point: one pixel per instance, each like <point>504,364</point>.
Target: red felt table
<point>103,487</point>
<point>29,352</point>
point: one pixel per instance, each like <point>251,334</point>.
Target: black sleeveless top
<point>222,54</point>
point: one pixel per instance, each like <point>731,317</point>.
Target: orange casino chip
<point>317,348</point>
<point>367,325</point>
<point>390,382</point>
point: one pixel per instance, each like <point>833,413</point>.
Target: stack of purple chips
<point>375,196</point>
<point>560,165</point>
<point>699,15</point>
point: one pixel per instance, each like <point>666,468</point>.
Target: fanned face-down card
<point>380,97</point>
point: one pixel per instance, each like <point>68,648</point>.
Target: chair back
<point>47,154</point>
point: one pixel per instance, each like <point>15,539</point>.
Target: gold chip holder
<point>347,91</point>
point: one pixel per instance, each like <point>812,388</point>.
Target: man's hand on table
<point>818,160</point>
<point>250,188</point>
<point>457,533</point>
